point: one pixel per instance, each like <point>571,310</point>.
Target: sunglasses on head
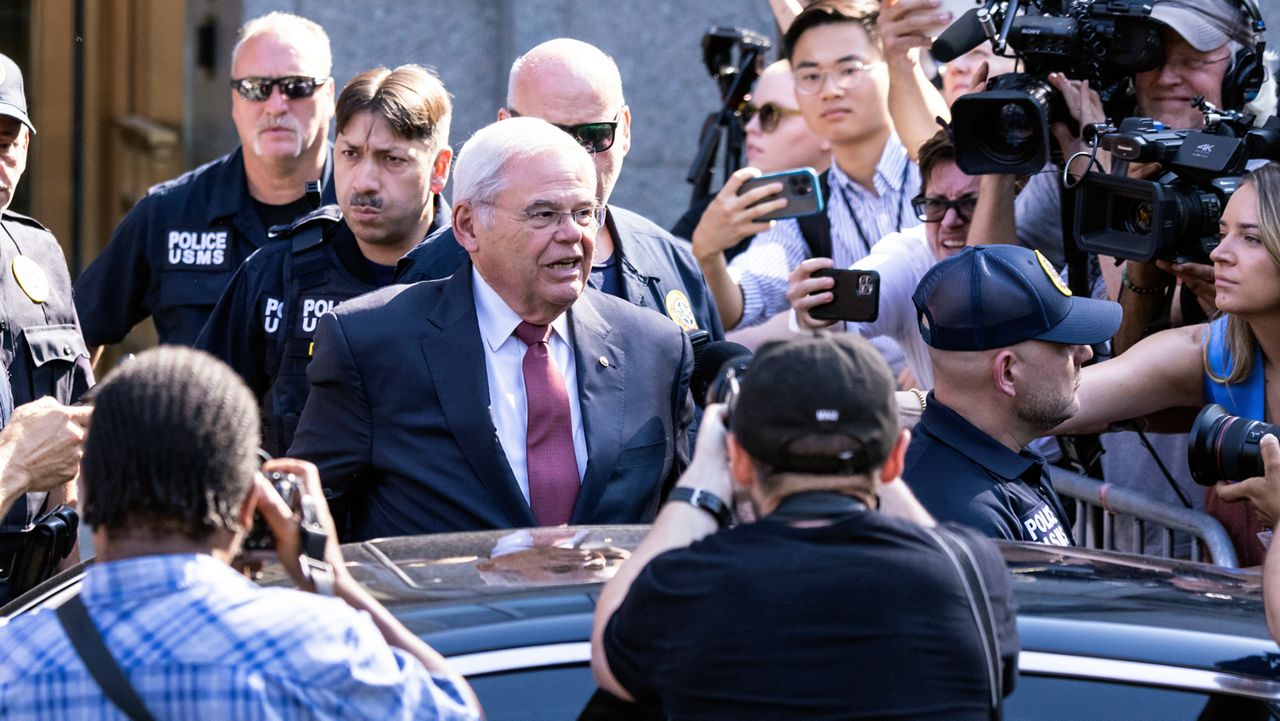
<point>770,115</point>
<point>293,87</point>
<point>596,137</point>
<point>933,210</point>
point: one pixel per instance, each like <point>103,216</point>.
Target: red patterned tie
<point>549,457</point>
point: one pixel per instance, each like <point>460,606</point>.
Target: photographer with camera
<point>171,486</point>
<point>822,580</point>
<point>1225,361</point>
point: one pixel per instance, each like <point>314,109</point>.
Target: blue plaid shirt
<point>200,641</point>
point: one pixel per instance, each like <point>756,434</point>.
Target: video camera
<point>1005,129</point>
<point>1176,215</point>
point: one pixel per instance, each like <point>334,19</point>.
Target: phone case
<point>801,188</point>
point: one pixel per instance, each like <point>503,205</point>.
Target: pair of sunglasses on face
<point>770,115</point>
<point>596,137</point>
<point>293,87</point>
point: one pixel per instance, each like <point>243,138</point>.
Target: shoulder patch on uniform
<point>680,310</point>
<point>24,219</point>
<point>323,216</point>
<point>1053,276</point>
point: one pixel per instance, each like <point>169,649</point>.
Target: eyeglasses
<point>293,87</point>
<point>770,115</point>
<point>596,137</point>
<point>540,218</point>
<point>809,80</point>
<point>933,210</point>
<point>1185,64</point>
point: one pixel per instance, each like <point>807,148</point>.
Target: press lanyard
<point>848,204</point>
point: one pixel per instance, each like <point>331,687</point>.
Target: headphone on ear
<point>1247,72</point>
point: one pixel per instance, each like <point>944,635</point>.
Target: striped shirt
<point>761,271</point>
<point>200,641</point>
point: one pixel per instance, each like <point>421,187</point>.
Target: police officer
<point>391,162</point>
<point>578,88</point>
<point>173,254</point>
<point>41,348</point>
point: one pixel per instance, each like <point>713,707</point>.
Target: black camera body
<point>289,487</point>
<point>1175,216</point>
<point>1005,129</point>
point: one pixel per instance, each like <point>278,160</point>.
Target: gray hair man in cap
<point>843,571</point>
<point>43,355</point>
<point>1007,339</point>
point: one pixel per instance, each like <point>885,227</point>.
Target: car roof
<point>488,590</point>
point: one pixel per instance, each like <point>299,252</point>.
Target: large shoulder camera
<point>1174,216</point>
<point>1006,128</point>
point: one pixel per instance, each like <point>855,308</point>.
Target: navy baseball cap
<point>13,100</point>
<point>994,296</point>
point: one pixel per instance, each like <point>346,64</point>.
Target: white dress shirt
<point>503,361</point>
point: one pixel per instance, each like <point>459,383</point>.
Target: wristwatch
<point>706,500</point>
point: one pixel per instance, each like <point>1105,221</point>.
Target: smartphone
<point>800,187</point>
<point>857,296</point>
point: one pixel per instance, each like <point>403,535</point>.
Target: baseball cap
<point>994,296</point>
<point>13,100</point>
<point>1205,24</point>
<point>812,387</point>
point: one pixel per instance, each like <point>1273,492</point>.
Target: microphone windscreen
<point>959,38</point>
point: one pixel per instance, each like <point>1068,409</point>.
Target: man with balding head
<point>509,394</point>
<point>576,87</point>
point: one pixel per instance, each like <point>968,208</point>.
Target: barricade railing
<point>1098,506</point>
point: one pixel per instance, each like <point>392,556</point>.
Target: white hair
<point>293,28</point>
<point>478,173</point>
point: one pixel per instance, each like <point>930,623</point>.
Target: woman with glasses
<point>945,204</point>
<point>777,139</point>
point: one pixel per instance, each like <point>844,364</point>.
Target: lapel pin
<point>604,361</point>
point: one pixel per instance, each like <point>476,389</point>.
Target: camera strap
<point>87,641</point>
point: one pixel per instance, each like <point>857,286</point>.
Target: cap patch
<point>1053,275</point>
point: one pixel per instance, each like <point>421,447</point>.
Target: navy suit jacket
<point>398,419</point>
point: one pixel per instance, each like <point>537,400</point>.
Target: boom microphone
<point>960,37</point>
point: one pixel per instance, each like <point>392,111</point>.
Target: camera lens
<point>1136,215</point>
<point>1225,447</point>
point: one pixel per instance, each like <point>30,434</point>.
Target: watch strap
<point>706,500</point>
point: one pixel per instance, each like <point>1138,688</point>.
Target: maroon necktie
<point>549,457</point>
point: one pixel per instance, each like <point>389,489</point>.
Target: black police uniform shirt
<point>263,324</point>
<point>864,618</point>
<point>961,474</point>
<point>653,270</point>
<point>174,252</point>
<point>40,343</point>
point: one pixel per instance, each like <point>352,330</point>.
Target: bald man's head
<point>569,83</point>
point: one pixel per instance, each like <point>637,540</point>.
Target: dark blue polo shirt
<point>961,474</point>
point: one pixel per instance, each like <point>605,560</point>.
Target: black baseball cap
<point>994,296</point>
<point>13,100</point>
<point>812,387</point>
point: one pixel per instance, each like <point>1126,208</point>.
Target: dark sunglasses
<point>933,210</point>
<point>293,87</point>
<point>770,115</point>
<point>596,137</point>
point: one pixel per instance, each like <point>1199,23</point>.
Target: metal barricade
<point>1097,504</point>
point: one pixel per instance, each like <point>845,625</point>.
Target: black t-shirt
<point>865,618</point>
<point>273,215</point>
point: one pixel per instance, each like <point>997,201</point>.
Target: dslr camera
<point>1175,216</point>
<point>1005,129</point>
<point>289,487</point>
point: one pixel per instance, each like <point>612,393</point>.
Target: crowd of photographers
<point>1091,236</point>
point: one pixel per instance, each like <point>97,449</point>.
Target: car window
<point>1055,698</point>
